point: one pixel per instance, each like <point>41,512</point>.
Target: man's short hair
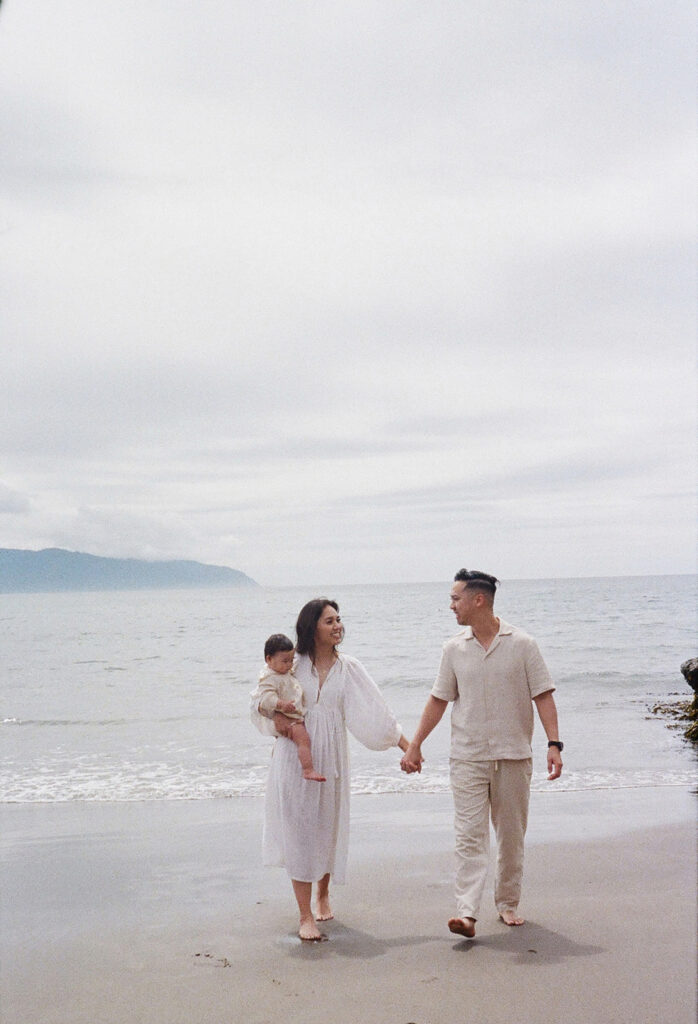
<point>476,580</point>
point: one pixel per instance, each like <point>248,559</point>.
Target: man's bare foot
<point>510,917</point>
<point>462,926</point>
<point>323,911</point>
<point>313,776</point>
<point>309,931</point>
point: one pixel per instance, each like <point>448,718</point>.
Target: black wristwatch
<point>556,743</point>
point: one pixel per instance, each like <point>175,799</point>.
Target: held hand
<point>413,760</point>
<point>554,763</point>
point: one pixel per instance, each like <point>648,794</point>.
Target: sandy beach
<point>161,913</point>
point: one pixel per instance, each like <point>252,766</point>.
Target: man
<point>493,673</point>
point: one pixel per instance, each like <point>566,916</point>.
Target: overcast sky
<point>350,292</point>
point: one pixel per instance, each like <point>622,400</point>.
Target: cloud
<point>283,281</point>
<point>12,502</point>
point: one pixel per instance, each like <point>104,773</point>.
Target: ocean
<point>143,696</point>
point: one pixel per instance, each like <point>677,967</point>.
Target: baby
<point>281,699</point>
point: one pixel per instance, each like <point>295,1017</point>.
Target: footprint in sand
<point>217,961</point>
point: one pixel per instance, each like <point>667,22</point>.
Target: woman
<point>306,826</point>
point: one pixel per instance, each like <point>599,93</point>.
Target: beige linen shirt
<point>492,692</point>
<point>273,687</point>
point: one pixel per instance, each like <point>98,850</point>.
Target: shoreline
<point>115,913</point>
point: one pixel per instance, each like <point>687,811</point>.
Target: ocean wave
<point>65,721</point>
<point>155,782</point>
<point>100,722</point>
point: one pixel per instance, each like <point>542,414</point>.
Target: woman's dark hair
<point>276,643</point>
<point>308,618</point>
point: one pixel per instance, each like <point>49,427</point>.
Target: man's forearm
<point>431,716</point>
<point>547,712</point>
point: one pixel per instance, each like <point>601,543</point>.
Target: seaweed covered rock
<point>683,711</point>
<point>689,670</point>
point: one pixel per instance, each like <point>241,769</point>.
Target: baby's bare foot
<point>313,776</point>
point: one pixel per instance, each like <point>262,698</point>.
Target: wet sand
<point>161,913</point>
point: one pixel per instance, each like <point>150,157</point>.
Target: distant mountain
<point>55,569</point>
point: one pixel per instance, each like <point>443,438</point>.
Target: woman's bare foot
<point>309,931</point>
<point>323,910</point>
<point>312,775</point>
<point>462,926</point>
<point>510,917</point>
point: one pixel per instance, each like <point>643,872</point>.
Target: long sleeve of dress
<point>366,714</point>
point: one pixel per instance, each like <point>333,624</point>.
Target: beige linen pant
<point>480,789</point>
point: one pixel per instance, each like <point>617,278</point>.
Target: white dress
<point>306,824</point>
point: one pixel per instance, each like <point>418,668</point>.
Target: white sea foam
<point>142,782</point>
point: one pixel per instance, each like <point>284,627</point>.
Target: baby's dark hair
<point>277,642</point>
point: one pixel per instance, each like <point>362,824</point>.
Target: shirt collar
<point>504,630</point>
